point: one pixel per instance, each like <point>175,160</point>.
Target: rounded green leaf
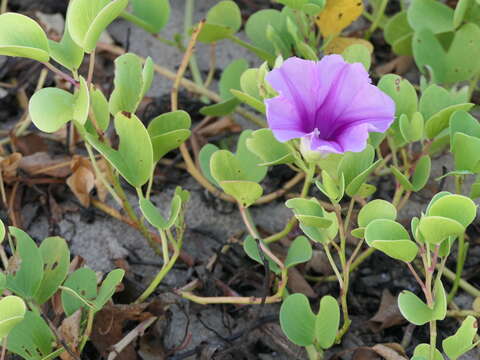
<point>440,120</point>
<point>23,37</point>
<point>250,247</point>
<point>67,52</point>
<point>309,207</point>
<point>412,129</point>
<point>32,338</point>
<point>51,108</point>
<point>108,287</point>
<point>168,131</point>
<point>300,251</point>
<point>422,173</point>
<point>12,311</point>
<point>154,14</point>
<point>245,192</point>
<point>462,341</point>
<point>83,282</point>
<point>204,157</point>
<point>81,105</point>
<point>327,322</point>
<point>417,312</point>
<point>134,157</point>
<point>385,229</point>
<point>463,122</point>
<point>154,217</point>
<point>249,100</point>
<point>376,209</point>
<point>272,152</point>
<point>100,111</point>
<point>249,161</point>
<point>422,352</point>
<point>456,207</point>
<point>223,20</point>
<point>86,19</point>
<point>322,235</point>
<point>439,19</point>
<point>26,280</point>
<point>230,78</point>
<point>333,189</point>
<point>128,83</point>
<point>436,229</point>
<point>465,153</point>
<point>398,33</point>
<point>403,250</point>
<point>56,259</point>
<point>402,92</point>
<point>297,320</point>
<point>358,53</point>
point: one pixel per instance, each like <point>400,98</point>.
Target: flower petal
<point>283,119</point>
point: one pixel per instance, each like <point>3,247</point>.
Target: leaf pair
<point>237,174</point>
<point>318,224</point>
<point>42,269</point>
<point>300,251</point>
<point>305,328</point>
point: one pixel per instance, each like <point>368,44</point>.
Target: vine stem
<point>462,255</point>
<point>333,265</point>
<point>60,73</point>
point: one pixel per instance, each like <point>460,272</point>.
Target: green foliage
<point>398,33</point>
<point>67,52</point>
<point>462,341</point>
<point>168,131</point>
<point>12,312</point>
<point>303,327</point>
<point>358,53</point>
<point>23,37</point>
<point>153,216</point>
<point>272,152</point>
<point>52,108</point>
<point>420,176</point>
<point>86,20</point>
<point>153,14</point>
<point>417,312</point>
<point>134,157</point>
<point>318,224</point>
<point>223,20</point>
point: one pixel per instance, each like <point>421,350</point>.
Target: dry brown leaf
<point>108,328</point>
<point>102,190</point>
<point>224,124</point>
<point>400,65</point>
<point>30,144</point>
<point>298,284</point>
<point>44,163</point>
<point>9,166</point>
<point>388,352</point>
<point>388,313</point>
<point>365,353</point>
<point>70,333</point>
<point>82,181</point>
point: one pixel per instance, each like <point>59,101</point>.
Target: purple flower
<point>330,104</point>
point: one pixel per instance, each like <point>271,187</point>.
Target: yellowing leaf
<point>339,44</point>
<point>337,15</point>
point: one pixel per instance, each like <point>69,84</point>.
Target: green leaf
<point>86,20</point>
<point>456,207</point>
<point>333,189</point>
<point>3,282</point>
<point>402,93</point>
<point>398,33</point>
<point>100,111</point>
<point>245,192</point>
<point>439,19</point>
<point>272,152</point>
<point>204,157</point>
<point>411,129</point>
<point>435,98</point>
<point>320,234</point>
<point>128,83</point>
<point>56,260</point>
<point>12,312</point>
<point>356,167</point>
<point>297,320</point>
<point>31,339</point>
<point>327,322</point>
<point>23,37</point>
<point>463,122</point>
<point>417,312</point>
<point>249,100</point>
<point>249,161</point>
<point>2,231</point>
<point>67,52</point>
<point>107,289</point>
<point>154,13</point>
<point>251,249</point>
<point>84,283</point>
<point>460,11</point>
<point>422,352</point>
<point>134,157</point>
<point>258,23</point>
<point>230,78</point>
<point>436,229</point>
<point>249,83</point>
<point>52,108</point>
<point>458,63</point>
<point>168,131</point>
<point>294,4</point>
<point>358,53</point>
<point>465,153</point>
<point>221,109</point>
<point>376,209</point>
<point>440,121</point>
<point>26,280</point>
<point>154,217</point>
<point>223,20</point>
<point>391,238</point>
<point>461,342</point>
<point>420,176</point>
<point>300,251</point>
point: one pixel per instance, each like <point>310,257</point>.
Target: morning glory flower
<point>330,104</point>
